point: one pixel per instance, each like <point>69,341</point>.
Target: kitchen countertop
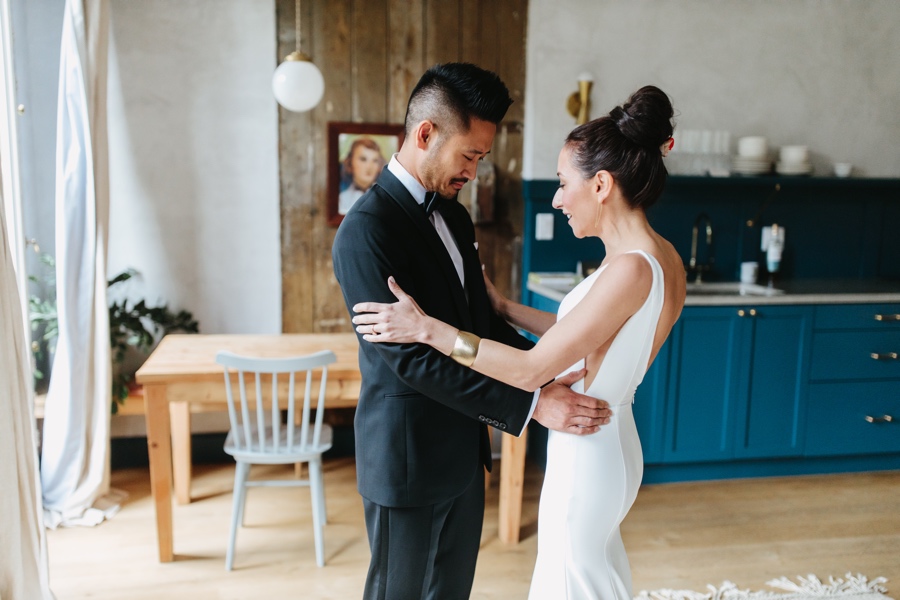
<point>803,291</point>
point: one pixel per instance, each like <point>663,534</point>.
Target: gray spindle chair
<point>258,438</point>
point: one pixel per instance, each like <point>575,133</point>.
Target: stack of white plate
<point>752,157</point>
<point>750,166</point>
<point>794,160</point>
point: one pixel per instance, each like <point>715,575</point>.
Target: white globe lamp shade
<point>297,83</point>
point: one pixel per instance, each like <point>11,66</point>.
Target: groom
<point>421,435</point>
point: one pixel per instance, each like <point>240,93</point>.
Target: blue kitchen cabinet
<point>771,411</point>
<point>738,379</point>
<point>854,395</point>
<point>650,406</point>
<point>707,346</point>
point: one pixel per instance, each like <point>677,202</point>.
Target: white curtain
<point>75,455</point>
<point>23,545</point>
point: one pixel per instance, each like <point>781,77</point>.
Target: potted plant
<point>134,329</point>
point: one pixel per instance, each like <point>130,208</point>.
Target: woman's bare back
<point>675,289</point>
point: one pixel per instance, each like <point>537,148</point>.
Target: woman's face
<point>576,196</point>
<point>364,167</point>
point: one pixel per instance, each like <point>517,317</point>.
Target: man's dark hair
<point>451,94</point>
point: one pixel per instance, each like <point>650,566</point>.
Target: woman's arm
<point>530,319</point>
<point>617,294</point>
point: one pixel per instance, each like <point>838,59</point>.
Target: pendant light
<point>297,82</point>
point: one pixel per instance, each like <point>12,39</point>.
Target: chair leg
<point>245,475</point>
<point>322,505</point>
<point>318,509</point>
<point>241,471</point>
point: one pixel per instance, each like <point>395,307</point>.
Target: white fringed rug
<point>852,587</point>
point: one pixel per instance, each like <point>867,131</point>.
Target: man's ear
<point>424,134</point>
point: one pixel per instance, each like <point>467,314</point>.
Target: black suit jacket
<point>420,424</point>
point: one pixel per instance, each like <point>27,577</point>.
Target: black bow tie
<point>432,203</point>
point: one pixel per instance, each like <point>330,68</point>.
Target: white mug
<point>749,271</point>
<point>842,169</point>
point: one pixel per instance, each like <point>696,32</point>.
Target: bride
<point>613,324</point>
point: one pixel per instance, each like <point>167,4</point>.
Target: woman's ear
<point>603,184</point>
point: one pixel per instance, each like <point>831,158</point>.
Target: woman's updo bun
<point>628,143</point>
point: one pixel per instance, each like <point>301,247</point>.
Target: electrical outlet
<point>543,226</point>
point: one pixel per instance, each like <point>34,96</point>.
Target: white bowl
<point>753,146</point>
<point>794,154</point>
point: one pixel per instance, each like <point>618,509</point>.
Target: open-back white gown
<point>592,481</point>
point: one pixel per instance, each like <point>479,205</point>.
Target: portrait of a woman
<point>359,170</point>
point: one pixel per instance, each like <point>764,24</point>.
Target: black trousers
<point>425,552</point>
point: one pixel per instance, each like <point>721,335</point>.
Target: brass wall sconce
<point>579,103</point>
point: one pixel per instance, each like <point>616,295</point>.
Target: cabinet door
<point>650,406</point>
<point>770,412</point>
<point>853,418</point>
<point>707,346</point>
<point>855,354</point>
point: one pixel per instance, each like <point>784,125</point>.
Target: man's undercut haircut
<point>451,94</point>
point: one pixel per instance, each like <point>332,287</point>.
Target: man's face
<point>451,160</point>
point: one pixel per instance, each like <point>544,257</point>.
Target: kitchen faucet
<point>701,268</point>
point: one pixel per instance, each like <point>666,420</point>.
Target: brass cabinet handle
<point>742,313</point>
<point>884,356</point>
<point>887,317</point>
<point>745,313</point>
<point>884,419</point>
<point>752,312</point>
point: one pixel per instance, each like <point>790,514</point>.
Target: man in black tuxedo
<point>421,435</point>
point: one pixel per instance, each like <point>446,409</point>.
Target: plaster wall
<point>194,159</point>
<point>822,73</point>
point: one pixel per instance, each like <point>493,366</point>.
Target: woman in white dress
<point>613,323</point>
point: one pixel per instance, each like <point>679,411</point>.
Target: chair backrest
<point>249,429</point>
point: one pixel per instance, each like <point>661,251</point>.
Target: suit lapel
<point>389,182</point>
<point>458,221</point>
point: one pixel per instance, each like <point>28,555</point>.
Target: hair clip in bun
<point>667,146</point>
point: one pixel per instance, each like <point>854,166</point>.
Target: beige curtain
<point>23,545</point>
<point>75,449</point>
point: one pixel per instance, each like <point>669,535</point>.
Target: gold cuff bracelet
<point>465,348</point>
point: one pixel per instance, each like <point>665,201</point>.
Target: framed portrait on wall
<point>357,152</point>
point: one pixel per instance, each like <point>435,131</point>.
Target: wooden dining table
<point>181,377</point>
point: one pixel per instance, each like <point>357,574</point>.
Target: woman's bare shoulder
<point>626,276</point>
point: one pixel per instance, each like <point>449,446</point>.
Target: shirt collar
<point>412,185</point>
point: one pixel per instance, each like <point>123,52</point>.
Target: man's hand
<point>561,409</point>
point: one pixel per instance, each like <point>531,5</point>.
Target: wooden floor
<point>678,536</point>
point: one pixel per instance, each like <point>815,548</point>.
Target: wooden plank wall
<point>371,54</point>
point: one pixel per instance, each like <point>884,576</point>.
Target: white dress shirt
<point>418,191</point>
